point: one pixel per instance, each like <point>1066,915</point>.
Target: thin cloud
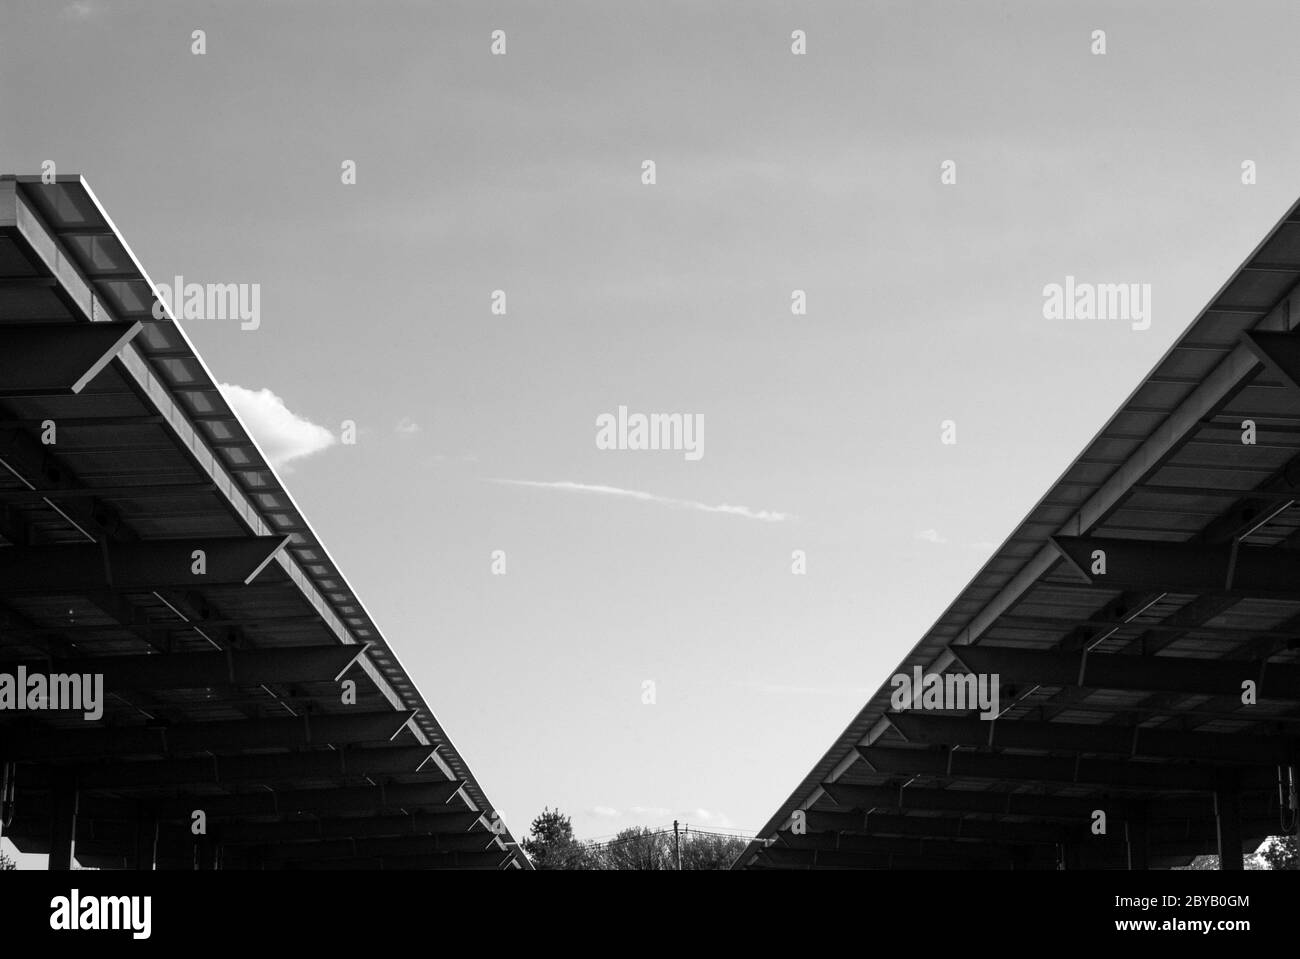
<point>661,814</point>
<point>283,435</point>
<point>786,689</point>
<point>650,810</point>
<point>934,536</point>
<point>766,516</point>
<point>708,817</point>
<point>80,10</point>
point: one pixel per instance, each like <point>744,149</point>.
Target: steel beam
<point>954,827</point>
<point>425,791</point>
<point>1247,571</point>
<point>1186,816</point>
<point>787,858</point>
<point>1213,677</point>
<point>1093,738</point>
<point>430,793</point>
<point>449,860</point>
<point>252,667</point>
<point>923,848</point>
<point>142,491</point>
<point>1077,832</point>
<point>453,822</point>
<point>1110,855</point>
<point>957,764</point>
<point>997,803</point>
<point>349,762</point>
<point>306,730</point>
<point>78,568</point>
<point>159,625</point>
<point>380,848</point>
<point>1280,352</point>
<point>58,359</point>
<point>148,836</point>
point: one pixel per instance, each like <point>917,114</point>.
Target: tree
<point>551,844</point>
<point>1281,852</point>
<point>7,864</point>
<point>639,848</point>
<point>1210,863</point>
<point>710,850</point>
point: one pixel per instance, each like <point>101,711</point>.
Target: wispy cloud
<point>80,10</point>
<point>934,536</point>
<point>767,516</point>
<point>707,817</point>
<point>660,815</point>
<point>786,689</point>
<point>283,435</point>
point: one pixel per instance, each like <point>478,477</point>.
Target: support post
<point>1227,815</point>
<point>63,819</point>
<point>146,842</point>
<point>1293,798</point>
<point>8,786</point>
<point>1136,839</point>
<point>207,853</point>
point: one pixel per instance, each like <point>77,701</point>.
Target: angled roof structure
<point>145,538</point>
<point>1124,620</point>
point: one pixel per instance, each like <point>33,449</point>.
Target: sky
<point>774,172</point>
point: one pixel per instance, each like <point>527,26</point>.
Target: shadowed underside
<point>145,541</point>
<point>1141,626</point>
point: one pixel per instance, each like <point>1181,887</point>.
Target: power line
<point>686,828</point>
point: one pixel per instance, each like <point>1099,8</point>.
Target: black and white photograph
<point>849,446</point>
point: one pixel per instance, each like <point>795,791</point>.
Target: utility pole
<point>677,846</point>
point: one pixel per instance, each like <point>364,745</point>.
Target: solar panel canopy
<point>1137,637</point>
<point>250,712</point>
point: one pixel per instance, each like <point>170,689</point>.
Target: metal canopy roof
<point>222,687</point>
<point>1122,690</point>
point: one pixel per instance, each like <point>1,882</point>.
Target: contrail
<point>766,516</point>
